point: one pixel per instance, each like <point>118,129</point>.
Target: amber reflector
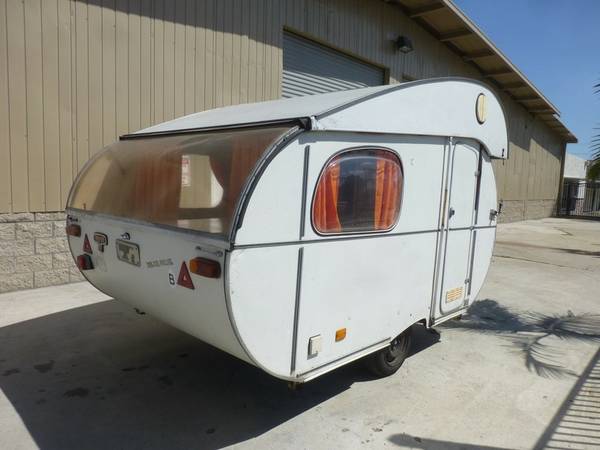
<point>205,267</point>
<point>73,230</point>
<point>84,262</point>
<point>340,334</point>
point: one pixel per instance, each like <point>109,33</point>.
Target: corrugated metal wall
<point>74,75</point>
<point>310,68</point>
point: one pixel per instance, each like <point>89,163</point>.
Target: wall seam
<point>11,208</point>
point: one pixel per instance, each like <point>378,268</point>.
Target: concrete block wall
<point>539,209</point>
<point>34,251</point>
<point>517,210</point>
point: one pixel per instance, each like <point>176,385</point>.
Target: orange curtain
<point>158,187</point>
<point>326,217</point>
<point>246,152</point>
<point>387,192</point>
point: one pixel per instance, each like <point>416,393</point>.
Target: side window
<point>359,190</point>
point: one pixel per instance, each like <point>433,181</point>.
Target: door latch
<point>451,212</point>
<point>494,212</point>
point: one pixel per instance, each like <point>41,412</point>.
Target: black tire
<point>388,360</point>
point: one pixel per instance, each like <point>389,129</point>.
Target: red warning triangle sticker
<point>185,279</point>
<point>87,248</point>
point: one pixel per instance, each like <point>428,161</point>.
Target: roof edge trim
<point>474,28</point>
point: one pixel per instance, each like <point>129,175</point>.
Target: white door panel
<point>456,237</point>
<point>463,186</point>
<point>456,268</point>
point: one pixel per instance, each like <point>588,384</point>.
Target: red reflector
<point>185,279</point>
<point>84,262</point>
<point>86,245</point>
<point>205,267</point>
<point>73,230</point>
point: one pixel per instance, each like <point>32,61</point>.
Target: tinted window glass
<point>188,181</point>
<point>359,190</point>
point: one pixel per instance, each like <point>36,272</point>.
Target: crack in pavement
<point>541,262</point>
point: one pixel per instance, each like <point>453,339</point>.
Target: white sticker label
<point>186,176</point>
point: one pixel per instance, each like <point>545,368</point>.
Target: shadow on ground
<point>576,424</point>
<point>100,376</point>
<point>532,333</point>
<point>413,442</point>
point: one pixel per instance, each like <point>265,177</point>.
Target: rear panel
<point>158,284</point>
<point>158,202</point>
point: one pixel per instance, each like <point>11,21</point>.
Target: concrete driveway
<point>522,370</point>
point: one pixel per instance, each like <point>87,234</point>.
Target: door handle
<point>451,212</point>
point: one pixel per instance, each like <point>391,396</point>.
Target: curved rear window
<point>359,190</point>
<point>190,181</point>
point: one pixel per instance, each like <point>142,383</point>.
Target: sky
<point>556,44</point>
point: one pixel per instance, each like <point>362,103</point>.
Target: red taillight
<point>205,267</point>
<point>84,262</point>
<point>73,230</point>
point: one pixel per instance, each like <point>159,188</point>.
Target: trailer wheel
<point>388,360</point>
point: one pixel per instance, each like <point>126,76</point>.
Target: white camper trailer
<point>300,234</point>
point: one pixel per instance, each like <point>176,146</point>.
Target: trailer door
<point>454,256</point>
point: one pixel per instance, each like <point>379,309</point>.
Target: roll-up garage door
<point>310,68</point>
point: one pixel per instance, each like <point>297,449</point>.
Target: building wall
<point>34,251</point>
<point>74,75</point>
<point>575,167</point>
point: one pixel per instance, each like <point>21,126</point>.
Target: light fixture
<point>404,44</point>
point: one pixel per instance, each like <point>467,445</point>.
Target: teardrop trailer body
<point>300,234</point>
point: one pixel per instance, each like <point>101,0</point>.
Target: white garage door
<point>310,68</point>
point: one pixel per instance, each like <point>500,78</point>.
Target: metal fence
<point>580,198</point>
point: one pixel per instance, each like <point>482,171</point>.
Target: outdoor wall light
<point>404,44</point>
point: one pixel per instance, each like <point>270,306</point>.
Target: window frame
<point>320,177</point>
